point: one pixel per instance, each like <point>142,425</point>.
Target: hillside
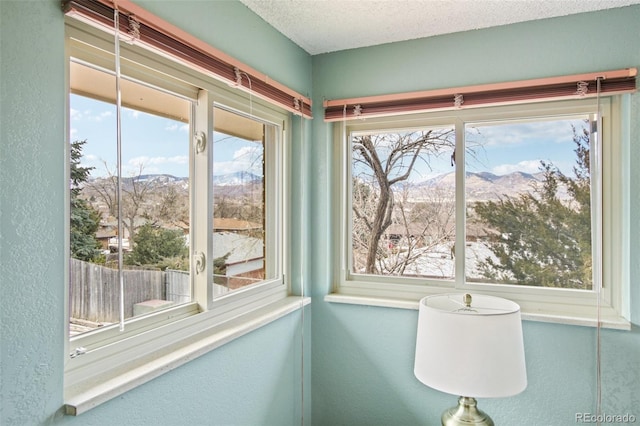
<point>483,186</point>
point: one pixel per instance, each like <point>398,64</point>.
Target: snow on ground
<point>438,261</point>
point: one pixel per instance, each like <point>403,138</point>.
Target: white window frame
<point>610,308</point>
<point>104,363</point>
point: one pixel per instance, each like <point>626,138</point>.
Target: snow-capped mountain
<point>237,178</point>
<point>480,186</point>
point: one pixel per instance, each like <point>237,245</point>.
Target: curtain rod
<point>272,90</point>
<point>617,81</point>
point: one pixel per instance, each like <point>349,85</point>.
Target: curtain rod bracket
<point>458,100</point>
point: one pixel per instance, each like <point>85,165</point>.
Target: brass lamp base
<point>466,413</point>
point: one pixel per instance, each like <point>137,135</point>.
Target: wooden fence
<point>178,286</point>
<point>95,290</point>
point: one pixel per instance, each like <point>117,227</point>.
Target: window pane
<point>403,203</point>
<point>239,203</point>
<point>154,202</point>
<point>528,203</point>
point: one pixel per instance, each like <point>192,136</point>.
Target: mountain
<point>160,179</point>
<point>236,179</point>
<point>482,186</point>
<point>229,179</point>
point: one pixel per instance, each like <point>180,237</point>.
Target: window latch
<point>77,352</point>
<point>200,142</point>
<point>200,261</point>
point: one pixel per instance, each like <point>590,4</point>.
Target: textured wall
<point>254,380</point>
<point>32,188</point>
<point>363,356</point>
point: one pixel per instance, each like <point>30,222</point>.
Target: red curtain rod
<point>185,47</point>
<point>617,81</point>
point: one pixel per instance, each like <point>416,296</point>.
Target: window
<point>519,201</point>
<point>528,193</point>
<point>176,233</point>
<point>149,207</point>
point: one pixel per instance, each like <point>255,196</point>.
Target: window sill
<point>608,321</point>
<point>197,342</point>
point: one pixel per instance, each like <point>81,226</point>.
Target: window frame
<point>102,364</point>
<point>543,304</point>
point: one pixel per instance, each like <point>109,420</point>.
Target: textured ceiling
<point>321,26</point>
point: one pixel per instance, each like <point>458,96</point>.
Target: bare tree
<point>172,205</point>
<point>135,191</point>
<point>105,188</point>
<point>382,161</point>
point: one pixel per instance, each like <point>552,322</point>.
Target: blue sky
<point>507,147</point>
<point>151,144</point>
<point>510,147</point>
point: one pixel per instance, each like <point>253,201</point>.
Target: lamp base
<point>466,413</point>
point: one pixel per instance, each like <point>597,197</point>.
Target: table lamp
<point>470,346</point>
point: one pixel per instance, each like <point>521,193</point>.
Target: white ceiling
<point>321,26</point>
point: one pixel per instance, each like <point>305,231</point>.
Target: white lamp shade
<point>473,352</point>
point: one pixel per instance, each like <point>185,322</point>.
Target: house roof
<point>231,224</point>
<point>242,248</point>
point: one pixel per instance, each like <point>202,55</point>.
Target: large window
<point>521,201</point>
<point>143,197</point>
<point>528,194</point>
<point>403,202</point>
<point>176,222</point>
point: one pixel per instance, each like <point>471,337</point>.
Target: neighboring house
<point>238,226</point>
<point>104,236</point>
<point>245,262</point>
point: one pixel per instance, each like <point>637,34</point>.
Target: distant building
<point>245,263</point>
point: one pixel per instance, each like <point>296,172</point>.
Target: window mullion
<point>461,210</point>
<point>202,201</point>
<point>272,198</point>
<point>595,151</point>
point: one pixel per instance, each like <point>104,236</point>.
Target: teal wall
<point>359,359</point>
<point>254,380</point>
<point>363,356</point>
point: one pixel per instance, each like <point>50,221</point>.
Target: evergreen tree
<point>539,239</point>
<point>158,247</point>
<point>84,220</point>
<point>220,269</point>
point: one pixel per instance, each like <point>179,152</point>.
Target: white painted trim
<point>197,340</point>
<point>541,304</point>
<point>612,322</point>
<point>112,361</point>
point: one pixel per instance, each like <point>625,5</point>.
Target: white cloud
<point>248,158</point>
<point>527,166</point>
<point>177,127</point>
<point>88,115</point>
<point>558,131</point>
<point>244,159</point>
<point>175,165</point>
<point>104,115</point>
<point>145,162</point>
<point>132,112</point>
<point>248,154</point>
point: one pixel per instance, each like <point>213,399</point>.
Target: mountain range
<point>228,179</point>
<point>482,186</point>
<point>236,178</point>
